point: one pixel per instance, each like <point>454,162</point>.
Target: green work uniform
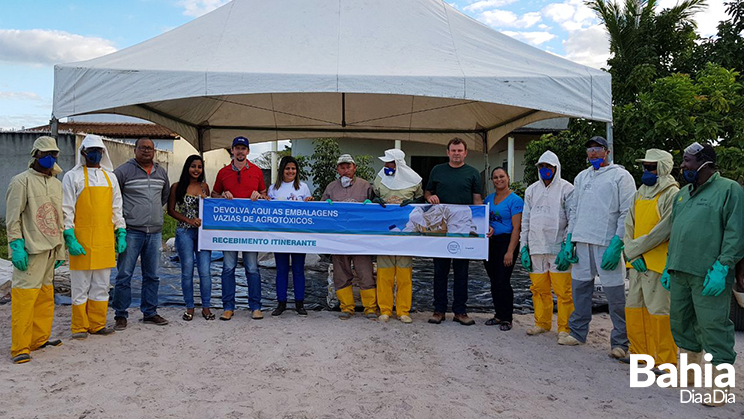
<point>454,185</point>
<point>706,227</point>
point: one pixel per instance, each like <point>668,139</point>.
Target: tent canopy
<point>414,70</point>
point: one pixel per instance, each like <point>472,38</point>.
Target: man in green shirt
<point>453,183</point>
<point>705,245</point>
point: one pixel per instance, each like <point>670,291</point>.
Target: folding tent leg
<point>610,141</point>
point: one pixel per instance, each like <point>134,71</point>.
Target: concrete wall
<point>16,153</point>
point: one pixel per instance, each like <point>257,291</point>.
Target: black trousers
<point>500,275</point>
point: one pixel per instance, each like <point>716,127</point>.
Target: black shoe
<point>155,319</point>
<point>300,308</point>
<point>121,323</point>
<point>281,306</point>
<point>55,342</point>
<point>104,331</point>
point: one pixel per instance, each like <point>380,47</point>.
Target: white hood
<point>91,140</point>
<point>404,177</point>
<point>550,158</point>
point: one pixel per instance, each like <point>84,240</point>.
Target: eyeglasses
<point>594,149</point>
<point>694,148</point>
<point>145,148</point>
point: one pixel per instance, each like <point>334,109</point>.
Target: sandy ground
<point>322,367</point>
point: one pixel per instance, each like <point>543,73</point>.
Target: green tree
<point>323,164</point>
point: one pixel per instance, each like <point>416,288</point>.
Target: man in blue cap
<point>240,179</point>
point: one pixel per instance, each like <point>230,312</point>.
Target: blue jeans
<point>146,247</point>
<point>250,263</point>
<point>282,275</point>
<point>186,246</point>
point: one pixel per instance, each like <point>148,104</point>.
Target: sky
<point>36,34</point>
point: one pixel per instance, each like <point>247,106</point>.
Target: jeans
<point>186,245</point>
<point>282,275</point>
<point>500,275</point>
<point>459,286</point>
<point>250,263</point>
<point>145,246</point>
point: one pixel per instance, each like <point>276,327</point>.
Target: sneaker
<point>536,330</point>
<point>618,353</point>
<point>55,342</point>
<point>257,315</point>
<point>371,315</point>
<point>405,319</point>
<point>345,315</point>
<point>383,318</point>
<point>280,307</point>
<point>80,335</point>
<point>156,320</point>
<point>104,331</point>
<point>437,317</point>
<point>121,323</point>
<point>21,359</point>
<point>569,340</point>
<point>463,319</point>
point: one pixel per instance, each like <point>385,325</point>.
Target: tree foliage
<point>323,164</point>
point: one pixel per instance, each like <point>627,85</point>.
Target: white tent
<point>413,70</point>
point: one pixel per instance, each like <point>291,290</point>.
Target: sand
<point>322,367</point>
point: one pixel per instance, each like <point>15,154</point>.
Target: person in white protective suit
<point>602,197</point>
<point>544,222</point>
<point>95,231</point>
<point>441,220</point>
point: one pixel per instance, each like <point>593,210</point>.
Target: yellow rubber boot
<point>22,303</point>
<point>97,311</point>
<point>561,282</point>
<point>666,349</point>
<point>346,299</point>
<point>404,278</point>
<point>636,329</point>
<point>369,301</point>
<point>43,316</point>
<point>80,323</point>
<point>385,287</point>
<point>542,300</point>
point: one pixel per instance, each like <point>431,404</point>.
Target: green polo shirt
<point>707,226</point>
<point>454,185</point>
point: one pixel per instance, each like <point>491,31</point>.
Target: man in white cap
<point>33,219</point>
<point>94,232</point>
<point>396,183</point>
<point>349,188</point>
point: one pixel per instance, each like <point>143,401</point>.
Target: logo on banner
<point>453,247</point>
<point>642,376</point>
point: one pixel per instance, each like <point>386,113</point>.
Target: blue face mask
<point>596,163</point>
<point>47,162</point>
<point>691,176</point>
<point>94,156</point>
<point>546,173</point>
<point>389,171</point>
<point>649,179</point>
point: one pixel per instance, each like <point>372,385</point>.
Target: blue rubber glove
<point>524,254</point>
<point>20,256</point>
<point>121,240</point>
<point>72,244</point>
<point>665,279</point>
<point>329,201</point>
<point>715,280</point>
<point>639,265</point>
<point>58,263</point>
<point>366,201</point>
<point>611,256</point>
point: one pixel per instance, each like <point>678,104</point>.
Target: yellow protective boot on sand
<point>561,282</point>
<point>385,289</point>
<point>369,301</point>
<point>716,396</point>
<point>346,301</point>
<point>404,294</point>
<point>22,303</point>
<point>542,300</point>
<point>666,349</point>
<point>635,325</point>
<point>80,323</point>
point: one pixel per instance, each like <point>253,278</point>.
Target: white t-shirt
<point>287,192</point>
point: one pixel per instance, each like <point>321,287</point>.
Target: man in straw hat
<point>33,218</point>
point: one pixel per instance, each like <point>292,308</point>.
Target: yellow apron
<point>646,217</point>
<point>94,227</point>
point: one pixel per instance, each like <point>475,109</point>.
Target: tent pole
<point>486,168</point>
<point>274,152</point>
<point>510,157</point>
<point>610,142</point>
<point>54,126</point>
<point>200,140</point>
<point>343,109</point>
